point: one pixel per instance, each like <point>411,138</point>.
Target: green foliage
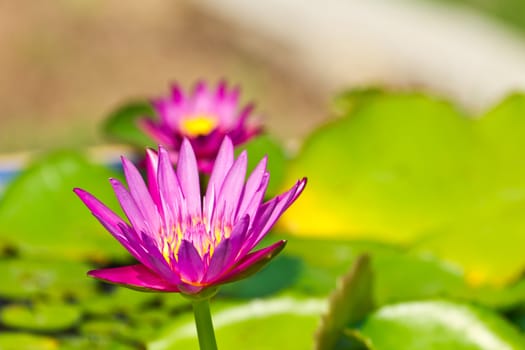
<point>409,169</point>
<point>121,125</point>
<point>24,341</point>
<point>277,323</point>
<point>437,325</point>
<point>40,216</point>
<point>433,198</point>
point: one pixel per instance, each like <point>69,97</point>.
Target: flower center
<point>204,238</point>
<point>198,125</point>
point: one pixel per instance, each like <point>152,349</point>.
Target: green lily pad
<point>494,236</point>
<point>121,124</point>
<point>439,325</point>
<point>24,279</point>
<point>278,323</point>
<point>40,215</point>
<point>397,167</point>
<point>494,242</point>
<point>406,168</point>
<point>40,317</point>
<point>25,341</point>
<point>350,100</point>
<point>403,277</point>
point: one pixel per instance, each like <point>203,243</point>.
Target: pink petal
<point>190,264</point>
<point>111,221</point>
<point>152,165</point>
<point>255,203</point>
<point>282,201</point>
<point>177,95</point>
<point>232,188</point>
<point>256,183</point>
<point>222,165</point>
<point>134,276</point>
<point>221,90</point>
<point>202,99</point>
<point>130,207</point>
<point>156,132</point>
<point>188,175</point>
<point>263,214</point>
<point>226,252</point>
<point>169,189</point>
<point>244,114</point>
<point>141,195</point>
<point>99,208</point>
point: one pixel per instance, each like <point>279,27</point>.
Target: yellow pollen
<point>166,251</point>
<point>218,235</point>
<point>170,245</point>
<point>227,231</point>
<point>198,125</point>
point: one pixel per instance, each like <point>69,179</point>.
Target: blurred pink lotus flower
<point>203,117</point>
<point>183,242</point>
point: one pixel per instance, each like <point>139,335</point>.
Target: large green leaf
<point>41,216</point>
<point>406,168</point>
<point>279,323</point>
<point>434,325</point>
<point>398,165</point>
<point>488,248</point>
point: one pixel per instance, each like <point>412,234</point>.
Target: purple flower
<point>204,118</point>
<point>183,242</point>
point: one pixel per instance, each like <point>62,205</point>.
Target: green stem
<point>205,332</point>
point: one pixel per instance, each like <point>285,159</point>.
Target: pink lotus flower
<point>185,243</point>
<point>204,118</point>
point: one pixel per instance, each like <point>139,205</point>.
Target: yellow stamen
<point>198,125</point>
<point>171,244</point>
<point>218,235</point>
<point>166,251</point>
<point>227,231</point>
